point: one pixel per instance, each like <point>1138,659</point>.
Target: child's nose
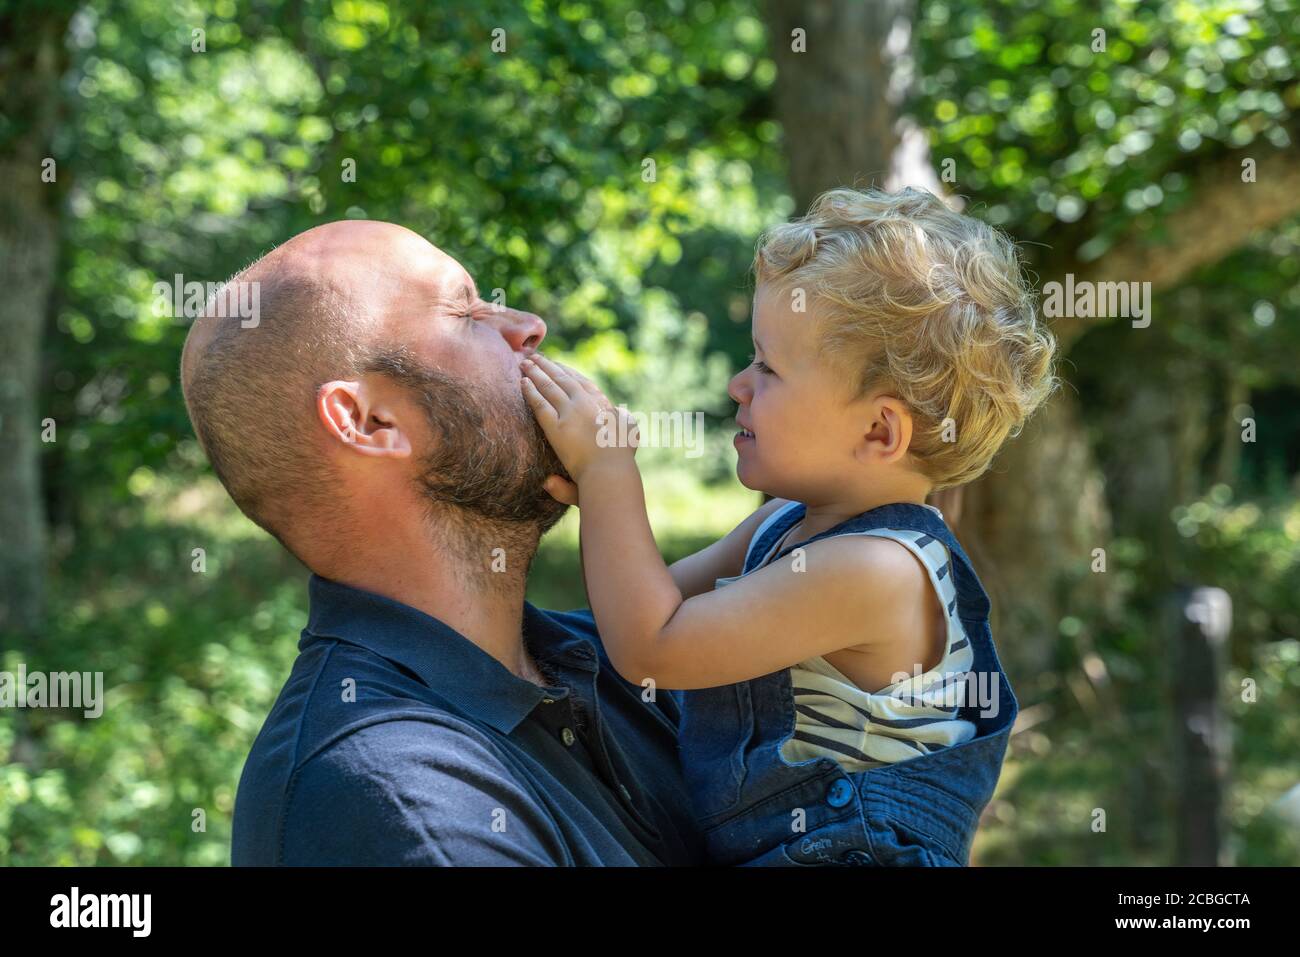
<point>738,387</point>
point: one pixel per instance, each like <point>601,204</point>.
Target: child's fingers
<point>561,489</point>
<point>542,409</point>
<point>594,391</point>
<point>559,375</point>
<point>570,371</point>
<point>591,388</point>
<point>544,383</point>
<point>586,384</point>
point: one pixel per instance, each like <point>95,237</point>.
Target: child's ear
<point>887,434</point>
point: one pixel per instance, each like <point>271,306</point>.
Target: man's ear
<point>887,434</point>
<point>353,415</point>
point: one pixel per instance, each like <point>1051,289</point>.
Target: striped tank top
<point>909,718</point>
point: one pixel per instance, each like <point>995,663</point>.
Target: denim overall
<point>922,811</point>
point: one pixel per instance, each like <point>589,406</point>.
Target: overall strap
<point>972,600</point>
<point>773,529</point>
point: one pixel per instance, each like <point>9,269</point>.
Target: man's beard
<point>489,458</point>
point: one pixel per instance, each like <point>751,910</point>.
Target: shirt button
<point>566,735</point>
<point>840,793</point>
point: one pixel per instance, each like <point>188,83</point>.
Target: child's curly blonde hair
<point>925,302</point>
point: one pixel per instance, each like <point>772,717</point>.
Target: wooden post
<point>1203,744</point>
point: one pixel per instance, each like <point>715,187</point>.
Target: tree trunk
<point>838,97</point>
<point>32,59</point>
<point>1031,525</point>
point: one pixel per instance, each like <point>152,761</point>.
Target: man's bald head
<point>250,387</point>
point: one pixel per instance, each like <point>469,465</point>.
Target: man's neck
<point>472,580</point>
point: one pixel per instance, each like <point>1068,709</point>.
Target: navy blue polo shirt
<point>396,740</point>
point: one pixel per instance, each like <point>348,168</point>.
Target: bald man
<point>371,419</point>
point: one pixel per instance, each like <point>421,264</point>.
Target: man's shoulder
<point>403,754</point>
<point>418,734</point>
<point>338,691</point>
<point>413,789</point>
<point>355,744</point>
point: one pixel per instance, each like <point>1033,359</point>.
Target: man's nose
<point>524,331</point>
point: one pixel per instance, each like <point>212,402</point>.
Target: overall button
<point>856,857</point>
<point>627,795</point>
<point>566,735</point>
<point>840,793</point>
<point>548,701</point>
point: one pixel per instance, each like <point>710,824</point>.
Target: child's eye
<point>761,366</point>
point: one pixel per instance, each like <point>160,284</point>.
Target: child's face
<point>805,431</point>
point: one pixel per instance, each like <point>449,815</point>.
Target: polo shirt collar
<point>445,660</point>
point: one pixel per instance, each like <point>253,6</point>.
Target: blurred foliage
<point>1070,148</point>
<point>528,165</point>
<point>1106,741</point>
<point>1060,112</point>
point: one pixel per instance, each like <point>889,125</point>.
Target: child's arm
<point>619,554</point>
<point>695,574</point>
<point>771,619</point>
